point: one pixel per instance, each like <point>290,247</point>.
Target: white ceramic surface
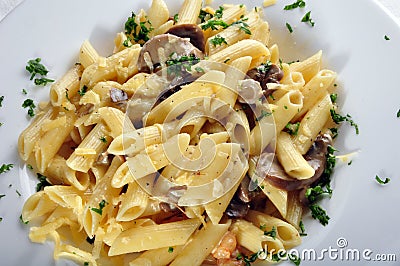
<point>351,35</point>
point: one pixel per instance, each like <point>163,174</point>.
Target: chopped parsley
<point>218,12</point>
<point>382,182</point>
<point>289,27</point>
<point>314,193</point>
<point>170,249</point>
<point>264,67</point>
<point>28,103</point>
<point>212,24</point>
<point>43,81</point>
<point>398,113</point>
<point>302,229</point>
<point>337,118</point>
<point>86,263</point>
<point>83,90</point>
<point>334,131</point>
<point>180,64</point>
<point>292,129</point>
<point>2,195</point>
<point>294,259</point>
<point>176,18</point>
<point>333,97</point>
<point>29,166</point>
<point>317,212</point>
<point>226,61</point>
<point>42,182</point>
<point>35,67</point>
<point>218,40</point>
<point>242,25</point>
<point>24,92</point>
<point>18,193</point>
<point>307,19</point>
<point>298,3</point>
<point>203,16</point>
<point>22,220</point>
<point>103,139</point>
<point>199,69</point>
<point>1,219</point>
<point>6,167</point>
<point>1,101</point>
<point>99,210</point>
<point>248,259</point>
<point>271,233</point>
<point>386,38</point>
<point>138,32</point>
<point>127,42</point>
<point>263,114</point>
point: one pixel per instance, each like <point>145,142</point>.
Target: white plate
<point>351,35</point>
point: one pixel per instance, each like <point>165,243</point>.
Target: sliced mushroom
<point>159,49</point>
<point>237,209</point>
<point>191,31</point>
<point>265,75</point>
<point>316,157</point>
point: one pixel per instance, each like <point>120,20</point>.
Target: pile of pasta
<point>102,207</point>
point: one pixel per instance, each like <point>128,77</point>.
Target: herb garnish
<point>242,25</point>
<point>398,113</point>
<point>170,249</point>
<point>292,129</point>
<point>333,97</point>
<point>1,101</point>
<point>218,12</point>
<point>83,90</point>
<point>314,193</point>
<point>28,103</point>
<point>34,67</point>
<point>337,118</point>
<point>138,32</point>
<point>263,114</point>
<point>289,27</point>
<point>103,139</point>
<point>212,23</point>
<point>386,38</point>
<point>176,18</point>
<point>271,233</point>
<point>320,214</point>
<point>99,210</point>
<point>2,195</point>
<point>43,81</point>
<point>298,3</point>
<point>382,182</point>
<point>22,220</point>
<point>6,167</point>
<point>180,64</point>
<point>307,19</point>
<point>264,67</point>
<point>24,92</point>
<point>42,182</point>
<point>203,16</point>
<point>302,229</point>
<point>248,259</point>
<point>18,193</point>
<point>218,40</point>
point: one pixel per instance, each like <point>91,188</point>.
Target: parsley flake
<point>28,103</point>
<point>138,32</point>
<point>176,18</point>
<point>218,40</point>
<point>298,3</point>
<point>289,27</point>
<point>22,220</point>
<point>170,249</point>
<point>302,229</point>
<point>35,67</point>
<point>317,212</point>
<point>83,90</point>
<point>6,167</point>
<point>263,114</point>
<point>382,182</point>
<point>42,182</point>
<point>271,233</point>
<point>2,195</point>
<point>292,129</point>
<point>337,118</point>
<point>1,101</point>
<point>42,81</point>
<point>103,139</point>
<point>99,210</point>
<point>386,38</point>
<point>212,24</point>
<point>307,19</point>
<point>398,113</point>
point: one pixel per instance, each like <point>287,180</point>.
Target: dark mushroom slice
<point>266,74</point>
<point>316,157</point>
<point>161,47</point>
<point>191,31</point>
<point>237,209</point>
